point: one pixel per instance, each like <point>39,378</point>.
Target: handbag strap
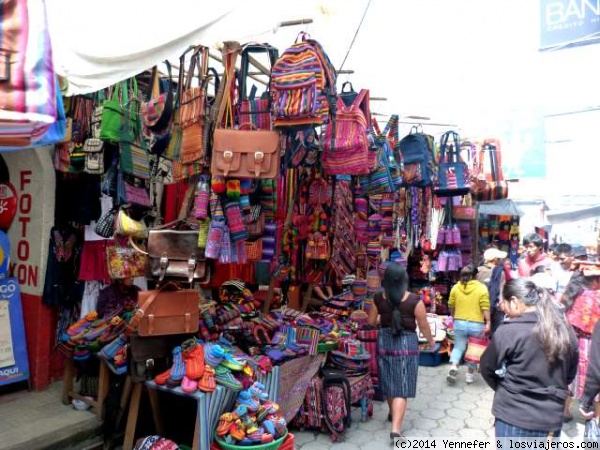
<point>271,52</point>
<point>491,148</point>
<point>453,154</point>
<point>140,312</point>
<point>231,51</point>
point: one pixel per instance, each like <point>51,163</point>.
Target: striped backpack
<point>346,139</point>
<point>303,85</point>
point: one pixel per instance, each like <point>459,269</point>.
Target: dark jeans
<point>504,429</point>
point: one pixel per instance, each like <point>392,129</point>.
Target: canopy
<point>504,207</point>
<point>559,217</point>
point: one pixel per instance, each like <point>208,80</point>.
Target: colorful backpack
<point>303,85</point>
<point>346,141</point>
<point>418,159</point>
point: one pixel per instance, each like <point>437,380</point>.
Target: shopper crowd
<point>541,325</point>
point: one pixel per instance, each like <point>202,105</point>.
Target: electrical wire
<point>355,35</point>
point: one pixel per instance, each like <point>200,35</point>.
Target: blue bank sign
<point>565,23</point>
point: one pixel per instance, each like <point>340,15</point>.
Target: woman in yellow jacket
<point>469,304</point>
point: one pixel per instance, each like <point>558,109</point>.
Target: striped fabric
<point>300,81</point>
<point>346,148</point>
<point>134,160</point>
<point>398,363</point>
<point>28,101</point>
<point>30,93</point>
<point>255,114</point>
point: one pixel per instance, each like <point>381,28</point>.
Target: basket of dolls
<point>274,445</point>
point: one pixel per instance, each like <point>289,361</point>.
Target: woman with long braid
<point>398,346</point>
<point>530,363</point>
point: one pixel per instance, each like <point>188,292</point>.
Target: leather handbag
<point>246,153</point>
<point>167,311</point>
<point>489,186</point>
<point>148,356</point>
<point>175,253</point>
<point>242,153</point>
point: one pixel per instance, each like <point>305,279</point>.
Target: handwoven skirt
<point>398,363</point>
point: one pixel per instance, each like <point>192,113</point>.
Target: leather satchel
<point>175,253</point>
<point>149,356</point>
<point>167,311</point>
<point>246,153</point>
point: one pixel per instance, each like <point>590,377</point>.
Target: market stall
<point>193,205</point>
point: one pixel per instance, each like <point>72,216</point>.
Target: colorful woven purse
<point>192,110</point>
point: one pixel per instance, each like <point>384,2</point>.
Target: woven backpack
<point>345,141</point>
<point>303,85</point>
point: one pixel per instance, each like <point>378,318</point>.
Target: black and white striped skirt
<point>398,363</point>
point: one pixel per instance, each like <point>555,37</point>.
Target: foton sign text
<point>26,273</point>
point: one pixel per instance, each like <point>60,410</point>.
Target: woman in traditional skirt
<point>581,300</point>
<point>399,312</point>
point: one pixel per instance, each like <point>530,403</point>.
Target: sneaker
<point>469,378</point>
<point>451,377</point>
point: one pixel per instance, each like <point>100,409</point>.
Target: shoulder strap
<point>141,311</point>
<point>231,51</point>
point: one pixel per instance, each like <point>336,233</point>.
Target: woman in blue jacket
<point>530,363</point>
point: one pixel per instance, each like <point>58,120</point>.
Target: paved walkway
<point>32,421</point>
<point>438,410</point>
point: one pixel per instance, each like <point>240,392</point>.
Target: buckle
<point>259,157</point>
<point>163,263</point>
<point>191,269</point>
<point>228,158</point>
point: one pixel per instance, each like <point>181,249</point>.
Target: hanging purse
<point>112,114</point>
<point>192,110</point>
<point>132,193</point>
<point>105,227</point>
<point>124,261</point>
<point>175,253</point>
<point>453,173</point>
<point>94,156</point>
<point>254,113</point>
<point>158,111</point>
<point>126,226</point>
<point>489,186</point>
<point>134,158</point>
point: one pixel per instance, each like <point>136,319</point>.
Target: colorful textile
<point>294,378</point>
<point>585,311</point>
<point>398,371</point>
<point>29,94</point>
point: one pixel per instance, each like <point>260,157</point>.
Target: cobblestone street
<point>438,410</point>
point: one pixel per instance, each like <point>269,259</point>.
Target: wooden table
<point>69,393</point>
<point>210,406</point>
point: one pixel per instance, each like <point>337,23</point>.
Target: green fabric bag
<point>112,113</point>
